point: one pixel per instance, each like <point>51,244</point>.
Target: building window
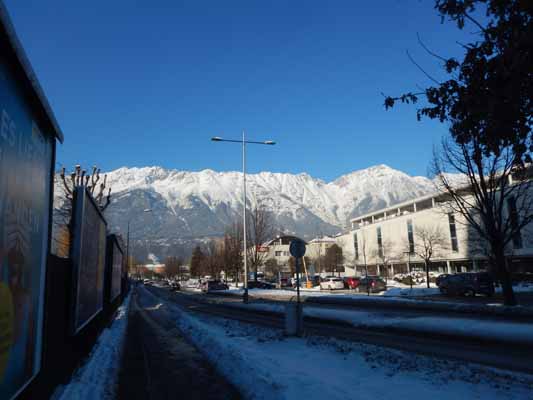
<point>453,232</point>
<point>513,216</point>
<point>278,254</point>
<point>410,236</point>
<point>356,246</point>
<point>380,242</point>
<point>286,253</point>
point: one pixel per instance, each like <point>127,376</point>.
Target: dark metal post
<point>297,264</point>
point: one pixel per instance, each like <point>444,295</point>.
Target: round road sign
<point>297,248</point>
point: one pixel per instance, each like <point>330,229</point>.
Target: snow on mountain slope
<point>291,198</point>
<point>188,206</point>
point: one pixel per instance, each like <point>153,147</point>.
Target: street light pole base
<point>245,296</point>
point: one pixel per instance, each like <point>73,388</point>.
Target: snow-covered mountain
<point>190,205</point>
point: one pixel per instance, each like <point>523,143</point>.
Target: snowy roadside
<point>394,289</point>
<point>266,365</point>
<point>406,301</point>
<point>492,330</point>
<point>97,378</point>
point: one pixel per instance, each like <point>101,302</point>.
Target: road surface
<point>158,362</point>
<point>501,356</point>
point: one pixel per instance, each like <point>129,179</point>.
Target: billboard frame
<point>113,244</point>
<point>79,206</point>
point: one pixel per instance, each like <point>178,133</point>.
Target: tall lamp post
<point>244,142</point>
<point>147,210</point>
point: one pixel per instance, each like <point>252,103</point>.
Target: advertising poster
<point>25,164</point>
<point>116,273</point>
<point>89,247</point>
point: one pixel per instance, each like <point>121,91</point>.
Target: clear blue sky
<point>137,83</point>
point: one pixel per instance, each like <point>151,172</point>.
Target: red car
<point>351,282</point>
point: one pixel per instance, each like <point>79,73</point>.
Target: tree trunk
<point>509,298</point>
<point>427,272</point>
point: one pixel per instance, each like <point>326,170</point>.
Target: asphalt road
<point>491,354</point>
<point>159,363</point>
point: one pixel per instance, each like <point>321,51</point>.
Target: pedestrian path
<point>158,362</point>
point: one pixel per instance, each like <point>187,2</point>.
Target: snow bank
<point>97,378</point>
<point>492,330</point>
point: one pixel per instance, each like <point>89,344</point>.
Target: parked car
<point>467,284</point>
<point>192,284</point>
<point>351,282</point>
<point>440,278</point>
<point>331,283</point>
<point>315,280</point>
<point>372,284</point>
<point>284,282</point>
<point>209,286</point>
<point>260,285</point>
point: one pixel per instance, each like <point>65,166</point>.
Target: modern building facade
<point>390,240</point>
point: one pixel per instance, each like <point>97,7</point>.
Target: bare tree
<point>334,258</point>
<point>272,267</point>
<point>197,262</point>
<point>173,267</point>
<point>65,186</point>
<point>232,251</point>
<point>260,230</point>
<point>214,259</point>
<point>496,202</point>
<point>363,250</point>
<point>430,240</point>
<point>386,254</point>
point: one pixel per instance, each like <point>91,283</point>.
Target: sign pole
<point>297,263</point>
<point>297,250</point>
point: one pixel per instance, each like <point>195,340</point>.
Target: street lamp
<point>244,142</point>
<point>146,210</point>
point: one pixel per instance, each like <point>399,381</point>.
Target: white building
<point>278,249</point>
<point>317,247</point>
<point>387,241</point>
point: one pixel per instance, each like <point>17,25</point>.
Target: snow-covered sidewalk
<point>266,365</point>
<point>97,378</point>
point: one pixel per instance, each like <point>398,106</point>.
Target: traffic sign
<point>297,248</point>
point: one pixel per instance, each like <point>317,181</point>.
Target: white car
<point>331,283</point>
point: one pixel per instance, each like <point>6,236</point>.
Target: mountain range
<point>187,207</point>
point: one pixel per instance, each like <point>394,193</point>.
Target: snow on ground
<point>515,332</point>
<point>264,364</point>
<point>415,292</point>
<point>524,287</point>
<point>394,289</point>
<point>97,378</point>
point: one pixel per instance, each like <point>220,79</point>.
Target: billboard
<point>116,272</point>
<point>88,259</point>
<point>25,178</point>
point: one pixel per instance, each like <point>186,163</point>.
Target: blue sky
<point>137,83</point>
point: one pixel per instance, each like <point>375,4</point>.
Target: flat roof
<point>397,205</point>
<point>9,31</point>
